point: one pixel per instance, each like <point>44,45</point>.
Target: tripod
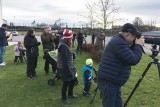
<point>96,89</point>
<point>155,61</point>
<point>95,93</point>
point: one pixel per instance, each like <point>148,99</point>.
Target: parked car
<point>15,33</point>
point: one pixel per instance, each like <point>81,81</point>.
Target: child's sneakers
<point>73,96</point>
<point>29,78</point>
<point>3,64</point>
<point>66,102</point>
<point>89,93</point>
<point>85,93</point>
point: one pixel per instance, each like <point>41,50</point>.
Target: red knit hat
<point>67,34</point>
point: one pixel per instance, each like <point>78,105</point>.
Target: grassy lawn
<point>17,91</point>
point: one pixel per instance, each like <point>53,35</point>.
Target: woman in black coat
<point>31,44</point>
<point>65,66</point>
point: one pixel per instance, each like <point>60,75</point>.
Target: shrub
<point>88,47</point>
<point>95,52</point>
<point>96,55</point>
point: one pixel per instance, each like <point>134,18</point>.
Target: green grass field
<point>17,91</point>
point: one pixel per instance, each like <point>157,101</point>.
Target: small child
<point>17,52</point>
<point>87,77</point>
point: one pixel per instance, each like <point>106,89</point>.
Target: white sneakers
<point>3,64</point>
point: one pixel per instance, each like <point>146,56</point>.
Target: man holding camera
<point>48,44</point>
<point>122,51</point>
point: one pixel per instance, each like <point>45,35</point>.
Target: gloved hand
<point>7,36</point>
<point>89,79</point>
<point>95,79</point>
<point>76,81</point>
<point>38,43</point>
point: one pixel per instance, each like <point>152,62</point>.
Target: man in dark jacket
<point>65,65</point>
<point>74,38</point>
<point>94,35</point>
<point>114,68</point>
<point>48,44</point>
<point>3,43</point>
<point>79,41</point>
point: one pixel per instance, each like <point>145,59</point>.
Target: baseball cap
<point>128,27</point>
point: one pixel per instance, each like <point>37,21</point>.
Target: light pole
<point>0,12</point>
<point>112,28</point>
<point>61,23</point>
<point>14,24</point>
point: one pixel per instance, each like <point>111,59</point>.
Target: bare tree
<point>100,12</point>
<point>138,22</point>
<point>107,9</point>
<point>91,13</point>
<point>41,25</point>
<point>153,23</point>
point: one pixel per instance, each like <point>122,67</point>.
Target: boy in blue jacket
<point>87,77</point>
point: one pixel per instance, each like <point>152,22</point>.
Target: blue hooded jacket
<point>87,74</point>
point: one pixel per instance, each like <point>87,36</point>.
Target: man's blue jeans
<point>111,94</point>
<point>2,51</point>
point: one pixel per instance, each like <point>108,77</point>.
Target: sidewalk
<point>21,38</point>
<point>15,39</point>
<point>12,43</point>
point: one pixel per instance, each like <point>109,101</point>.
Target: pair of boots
<point>67,102</point>
<point>87,94</point>
<point>78,50</point>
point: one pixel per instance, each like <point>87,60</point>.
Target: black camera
<point>139,35</point>
<point>155,41</point>
<point>149,39</point>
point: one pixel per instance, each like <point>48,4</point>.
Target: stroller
<point>51,57</point>
<point>22,57</point>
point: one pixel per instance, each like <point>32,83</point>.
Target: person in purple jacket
<point>17,52</point>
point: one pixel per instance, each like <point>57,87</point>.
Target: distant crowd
<point>63,65</point>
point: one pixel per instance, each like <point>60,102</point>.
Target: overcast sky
<point>70,11</point>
